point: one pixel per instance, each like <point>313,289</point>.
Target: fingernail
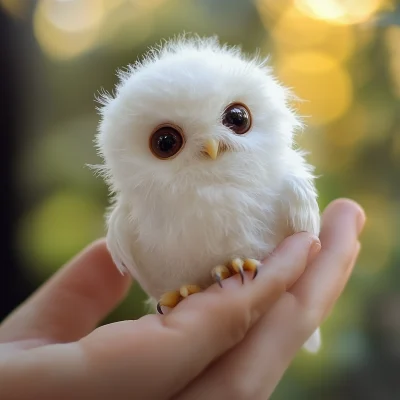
<point>315,248</point>
<point>360,220</point>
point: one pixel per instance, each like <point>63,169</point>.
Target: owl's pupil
<point>166,143</point>
<point>236,117</point>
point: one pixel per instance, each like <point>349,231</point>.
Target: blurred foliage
<point>341,56</point>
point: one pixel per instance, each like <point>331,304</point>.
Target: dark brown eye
<point>166,142</point>
<point>237,118</point>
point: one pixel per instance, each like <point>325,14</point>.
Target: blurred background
<point>341,56</point>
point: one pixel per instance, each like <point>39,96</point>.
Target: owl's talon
<point>172,299</point>
<point>159,310</point>
<point>251,264</point>
<point>219,273</point>
<point>255,273</point>
<point>241,272</point>
<point>187,290</point>
<point>169,299</point>
<point>237,264</point>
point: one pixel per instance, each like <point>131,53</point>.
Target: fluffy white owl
<point>198,150</point>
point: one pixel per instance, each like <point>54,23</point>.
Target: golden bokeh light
<point>74,16</point>
<point>295,30</point>
<point>320,81</point>
<point>66,29</point>
<point>340,11</point>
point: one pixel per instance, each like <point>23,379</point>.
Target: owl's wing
<point>301,208</point>
<point>299,198</point>
<point>120,238</point>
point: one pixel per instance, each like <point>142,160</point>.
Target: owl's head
<point>194,113</point>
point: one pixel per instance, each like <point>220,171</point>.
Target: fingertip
<point>304,240</point>
<point>290,259</point>
<point>99,243</point>
<point>314,250</point>
<point>98,251</point>
<point>361,219</point>
<point>345,205</point>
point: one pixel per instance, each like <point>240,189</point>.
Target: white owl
<point>198,150</point>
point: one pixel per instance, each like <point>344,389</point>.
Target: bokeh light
<point>340,11</point>
<point>321,81</point>
<point>296,31</point>
<point>66,29</point>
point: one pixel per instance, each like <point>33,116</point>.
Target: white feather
<point>174,220</point>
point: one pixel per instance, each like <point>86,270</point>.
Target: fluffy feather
<point>173,220</point>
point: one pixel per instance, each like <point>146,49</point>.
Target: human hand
<point>234,342</point>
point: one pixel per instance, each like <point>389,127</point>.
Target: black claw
<point>241,272</point>
<point>255,273</point>
<point>218,280</point>
<point>159,309</point>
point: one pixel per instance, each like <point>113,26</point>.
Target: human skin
<point>235,342</point>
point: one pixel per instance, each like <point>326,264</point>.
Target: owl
<point>198,151</point>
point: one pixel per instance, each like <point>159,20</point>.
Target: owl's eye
<point>166,142</point>
<point>237,118</point>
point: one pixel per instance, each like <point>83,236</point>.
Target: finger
<point>271,345</point>
<point>267,351</point>
<point>325,278</point>
<point>72,302</point>
<point>176,347</point>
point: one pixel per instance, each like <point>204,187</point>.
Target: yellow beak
<point>211,148</point>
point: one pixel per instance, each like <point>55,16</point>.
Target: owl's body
<point>175,218</point>
<point>171,238</point>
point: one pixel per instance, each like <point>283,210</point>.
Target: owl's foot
<point>219,273</point>
<point>233,267</point>
<point>171,299</point>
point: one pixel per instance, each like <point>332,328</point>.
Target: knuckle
<point>240,323</point>
<point>277,282</point>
